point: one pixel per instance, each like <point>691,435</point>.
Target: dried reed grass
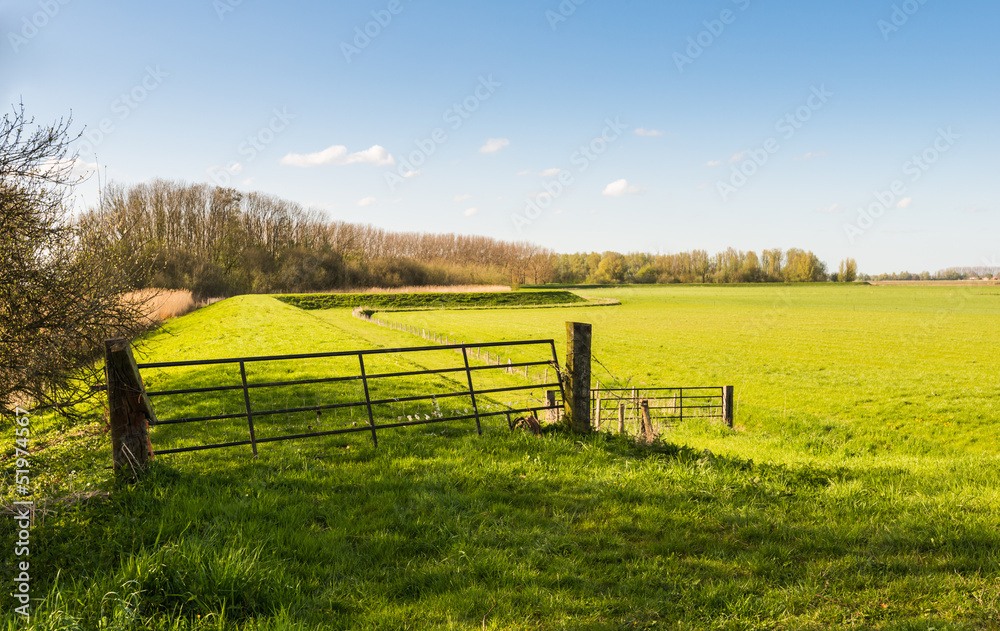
<point>160,305</point>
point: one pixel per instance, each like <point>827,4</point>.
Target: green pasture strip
<point>432,300</point>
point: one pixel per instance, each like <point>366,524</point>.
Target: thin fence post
<point>597,407</point>
<point>680,400</point>
<point>635,403</point>
<point>621,417</point>
<point>129,409</point>
<point>472,391</point>
<point>368,399</point>
<point>246,402</point>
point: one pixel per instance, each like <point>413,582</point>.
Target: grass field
<point>859,489</point>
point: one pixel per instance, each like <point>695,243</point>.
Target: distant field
<point>861,488</point>
<point>836,371</point>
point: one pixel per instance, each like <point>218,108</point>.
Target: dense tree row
<point>218,241</point>
<point>697,266</point>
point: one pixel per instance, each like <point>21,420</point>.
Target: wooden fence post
<point>129,409</point>
<point>578,340</point>
<point>621,417</point>
<point>647,422</point>
<point>551,414</point>
<point>597,407</point>
<point>727,405</point>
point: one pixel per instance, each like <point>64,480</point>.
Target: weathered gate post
<point>578,338</point>
<point>727,405</point>
<point>129,409</point>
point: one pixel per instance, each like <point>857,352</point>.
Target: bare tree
<point>58,302</point>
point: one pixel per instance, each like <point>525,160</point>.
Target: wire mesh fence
<point>621,409</point>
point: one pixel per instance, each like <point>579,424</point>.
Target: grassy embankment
<point>435,300</point>
<point>860,490</point>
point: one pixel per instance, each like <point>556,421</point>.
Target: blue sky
<point>862,129</point>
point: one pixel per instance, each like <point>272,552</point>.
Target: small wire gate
<point>668,406</point>
<point>460,377</point>
<point>665,404</point>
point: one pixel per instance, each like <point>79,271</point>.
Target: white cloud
<point>829,209</point>
<point>368,201</point>
<point>78,168</point>
<point>619,188</point>
<point>714,163</point>
<point>550,172</point>
<point>810,156</point>
<point>702,187</point>
<point>524,172</point>
<point>410,174</point>
<point>84,169</point>
<point>648,132</point>
<point>905,202</point>
<point>493,145</point>
<point>462,198</point>
<point>736,157</point>
<point>470,211</point>
<point>559,212</point>
<point>338,155</point>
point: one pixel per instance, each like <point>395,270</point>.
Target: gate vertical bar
<point>368,399</point>
<point>680,400</point>
<point>555,363</point>
<point>472,391</point>
<point>246,402</point>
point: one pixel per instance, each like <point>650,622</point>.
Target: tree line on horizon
<point>219,241</point>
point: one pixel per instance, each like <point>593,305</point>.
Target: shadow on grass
<point>441,527</point>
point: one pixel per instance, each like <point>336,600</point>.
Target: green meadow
<point>859,488</point>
